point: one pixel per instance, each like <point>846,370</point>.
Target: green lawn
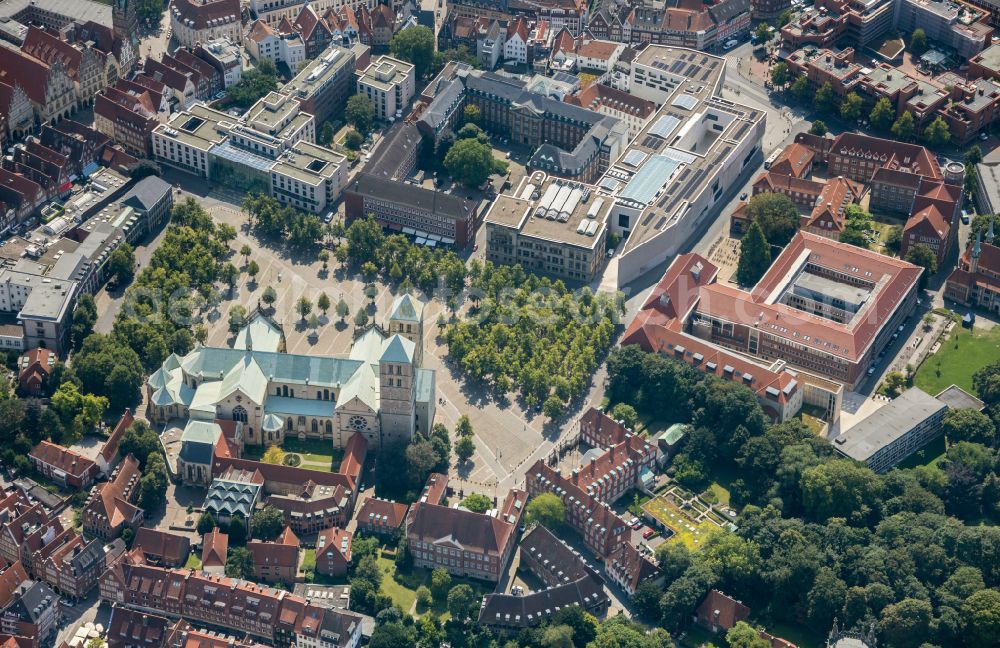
<point>955,366</point>
<point>308,560</point>
<point>929,455</point>
<point>692,534</point>
<point>403,591</point>
<point>193,561</point>
<point>698,637</point>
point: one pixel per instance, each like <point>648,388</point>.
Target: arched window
<point>284,390</point>
<point>239,414</point>
<point>329,428</point>
<point>326,394</point>
<point>315,426</point>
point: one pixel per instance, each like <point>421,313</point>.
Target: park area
<point>313,454</point>
<point>689,519</point>
<point>964,353</point>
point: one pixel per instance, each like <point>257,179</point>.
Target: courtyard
<point>960,354</point>
<point>689,520</point>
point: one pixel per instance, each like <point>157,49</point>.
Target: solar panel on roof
<point>634,158</point>
<point>704,77</point>
<point>677,66</point>
<point>691,70</point>
<point>685,101</point>
<point>653,142</point>
<point>664,126</point>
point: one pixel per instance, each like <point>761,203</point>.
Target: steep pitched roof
<point>62,458</point>
<point>46,47</point>
<point>214,548</point>
<point>18,68</point>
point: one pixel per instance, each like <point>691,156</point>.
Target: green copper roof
<point>406,308</point>
<point>397,349</point>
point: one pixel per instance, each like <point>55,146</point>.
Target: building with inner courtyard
<point>378,389</point>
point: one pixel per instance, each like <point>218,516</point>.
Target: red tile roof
<point>214,547</point>
<point>62,458</point>
<point>46,47</point>
<point>354,456</point>
<point>721,610</point>
<point>596,95</point>
<point>18,68</point>
<point>171,547</point>
<point>110,447</point>
<point>380,512</point>
<point>794,160</point>
<point>202,14</point>
<point>10,578</point>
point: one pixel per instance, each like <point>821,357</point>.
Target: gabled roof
<point>215,545</point>
<point>63,459</point>
<point>46,47</point>
<point>18,68</point>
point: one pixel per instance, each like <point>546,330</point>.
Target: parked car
<point>636,524</point>
<point>743,196</point>
<point>647,534</point>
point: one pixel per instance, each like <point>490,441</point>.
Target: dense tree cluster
<point>531,334</point>
<point>403,468</point>
<point>161,305</point>
<point>253,85</point>
<point>857,225</point>
<point>270,218</point>
<point>821,536</point>
<point>414,45</point>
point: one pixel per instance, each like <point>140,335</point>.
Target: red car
<point>647,534</point>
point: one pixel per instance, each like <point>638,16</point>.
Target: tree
<point>762,34</point>
<point>140,441</point>
<point>825,99</point>
<point>303,307</point>
<point>237,318</point>
<point>850,107</point>
<point>237,530</point>
<point>969,425</point>
<point>546,509</point>
<point>353,140</point>
<point>937,134</point>
<point>326,134</point>
<point>78,413</point>
<point>905,127</point>
<point>840,488</point>
<point>785,17</point>
<point>755,256</point>
<point>323,303</point>
<point>462,601</point>
<point>780,74</point>
<point>342,309</point>
<point>970,183</point>
<point>982,613</point>
<point>361,318</point>
<point>360,113</point>
<point>465,447</point>
<point>974,155</point>
<point>273,455</point>
<point>424,597</point>
<point>269,296</point>
<point>440,583</point>
<point>882,114</point>
<point>267,523</point>
<point>469,161</point>
<point>205,523</point>
<point>894,239</point>
<point>776,214</point>
<point>826,598</point>
<point>818,128</point>
<point>857,224</point>
<point>800,88</point>
<point>414,45</point>
<point>245,252</point>
<point>625,414</point>
<point>646,598</point>
<point>463,427</point>
<point>153,483</point>
<point>553,407</point>
<point>84,318</point>
<point>253,270</point>
<point>924,257</point>
<point>108,367</point>
<point>918,41</point>
<point>906,624</point>
<point>253,85</point>
<point>121,264</point>
<point>477,503</point>
<point>744,635</point>
<point>471,114</point>
<point>239,563</point>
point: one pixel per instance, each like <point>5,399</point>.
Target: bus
<point>770,160</point>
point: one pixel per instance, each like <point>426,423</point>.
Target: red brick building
<point>598,430</point>
<point>111,507</point>
<point>63,466</point>
<point>33,370</point>
<point>278,561</point>
<point>377,516</point>
<point>333,552</point>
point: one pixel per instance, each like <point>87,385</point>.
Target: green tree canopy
<point>850,107</point>
<point>267,523</point>
<point>818,128</point>
<point>905,127</point>
<point>937,134</point>
<point>776,214</point>
<point>470,162</point>
<point>755,256</point>
<point>918,41</point>
<point>414,45</point>
<point>360,113</point>
<point>924,257</point>
<point>882,114</point>
<point>780,74</point>
<point>546,509</point>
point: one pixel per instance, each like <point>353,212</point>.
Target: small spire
<point>989,232</point>
<point>976,247</point>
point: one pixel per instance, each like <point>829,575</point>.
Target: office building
<point>389,84</point>
<point>323,86</point>
<point>894,431</point>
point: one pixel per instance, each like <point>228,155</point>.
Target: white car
<point>984,136</point>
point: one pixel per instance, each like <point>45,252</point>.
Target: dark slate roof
<point>147,192</point>
<point>33,601</point>
<point>435,202</point>
<point>728,9</point>
<point>197,452</point>
<point>533,609</point>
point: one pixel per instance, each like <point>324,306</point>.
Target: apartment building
<point>226,56</point>
<point>34,613</point>
<point>598,430</point>
<point>111,507</point>
<point>628,568</point>
<point>623,467</point>
<point>333,551</point>
<point>323,86</point>
<point>697,25</point>
<point>933,217</point>
<point>264,42</point>
<point>200,21</point>
<point>474,545</point>
<point>63,466</point>
<point>569,581</point>
<point>71,565</point>
<point>550,226</point>
<point>127,114</point>
<point>600,527</point>
<point>894,431</point>
<point>239,606</point>
<point>278,561</point>
<point>381,517</point>
<point>389,83</point>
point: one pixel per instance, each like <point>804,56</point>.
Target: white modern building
<point>390,84</point>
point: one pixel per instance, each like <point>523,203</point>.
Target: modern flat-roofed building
<point>894,431</point>
<point>390,84</point>
<point>551,226</point>
<point>323,86</point>
<point>674,175</point>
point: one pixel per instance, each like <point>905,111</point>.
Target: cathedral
<point>379,389</point>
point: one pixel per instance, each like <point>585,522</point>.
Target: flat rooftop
<point>385,72</point>
<point>321,69</point>
<point>887,424</point>
<point>565,212</point>
<point>82,10</point>
<point>309,163</point>
<point>676,156</point>
<point>198,127</point>
<point>271,112</point>
<point>989,58</point>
